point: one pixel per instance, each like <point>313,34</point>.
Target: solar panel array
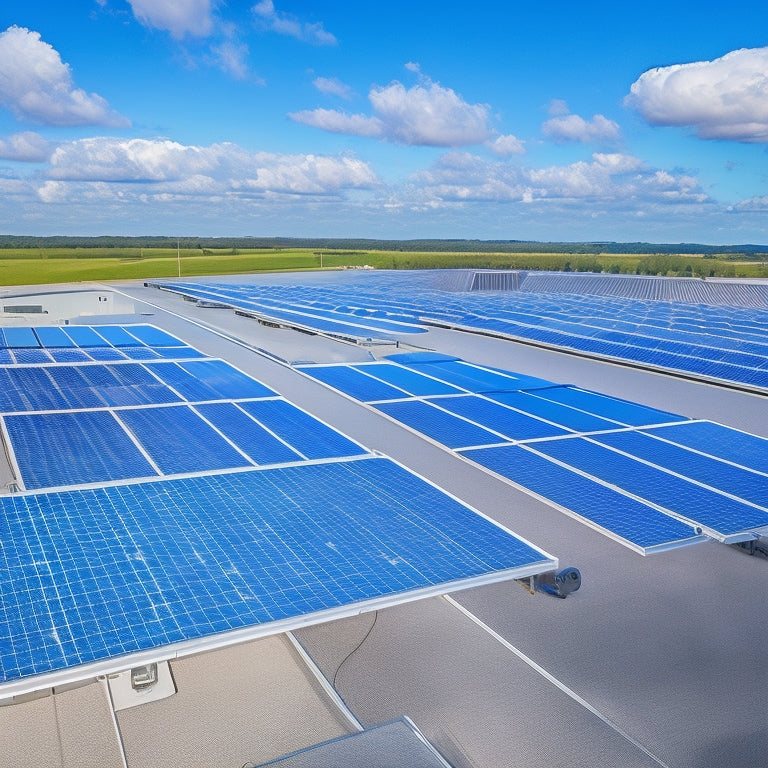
<point>649,478</point>
<point>716,342</point>
<point>179,505</point>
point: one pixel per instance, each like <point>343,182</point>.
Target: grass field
<point>34,266</point>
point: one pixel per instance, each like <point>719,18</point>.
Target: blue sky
<point>408,119</point>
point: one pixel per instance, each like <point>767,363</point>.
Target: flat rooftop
<point>656,660</point>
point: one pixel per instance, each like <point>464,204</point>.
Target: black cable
<point>356,648</point>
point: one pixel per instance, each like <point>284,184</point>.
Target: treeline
<point>747,252</point>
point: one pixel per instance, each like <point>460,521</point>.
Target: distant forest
<point>747,252</point>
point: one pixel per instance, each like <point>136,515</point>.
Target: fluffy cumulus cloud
<point>425,115</point>
<point>37,86</point>
<point>159,166</point>
<point>506,145</point>
<point>565,128</point>
<point>608,178</point>
<point>726,98</point>
<point>332,86</point>
<point>179,17</point>
<point>284,24</point>
<point>27,147</point>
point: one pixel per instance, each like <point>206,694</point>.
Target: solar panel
<point>19,338</point>
<point>171,567</point>
<point>85,336</point>
<point>441,426</point>
<point>723,516</point>
<point>644,528</point>
<point>259,444</point>
<point>51,336</point>
<point>537,404</point>
<point>226,380</point>
<point>510,423</point>
<point>179,441</point>
<point>62,449</point>
<point>355,383</point>
<point>405,379</point>
<point>305,434</point>
<point>153,337</point>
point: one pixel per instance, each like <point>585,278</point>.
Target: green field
<point>33,266</point>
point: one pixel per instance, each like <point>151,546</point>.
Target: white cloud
<point>609,178</point>
<point>726,98</point>
<point>566,127</point>
<point>231,57</point>
<point>284,24</point>
<point>179,17</point>
<point>332,86</point>
<point>161,165</point>
<point>425,115</point>
<point>340,122</point>
<point>37,86</point>
<point>503,146</point>
<point>27,147</point>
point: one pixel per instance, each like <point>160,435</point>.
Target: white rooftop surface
<point>656,660</point>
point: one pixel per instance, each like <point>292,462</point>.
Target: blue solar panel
<point>623,411</point>
<point>513,425</point>
<point>262,446</point>
<point>536,404</point>
<point>712,510</point>
<point>177,353</point>
<point>440,426</point>
<point>179,441</point>
<point>472,378</point>
<point>302,432</point>
<point>28,389</point>
<point>139,353</point>
<point>353,382</point>
<point>153,337</point>
<point>126,384</point>
<point>226,380</point>
<point>31,356</point>
<point>736,481</point>
<point>85,336</point>
<point>60,449</point>
<point>66,355</point>
<point>18,338</point>
<point>103,354</point>
<point>642,526</point>
<point>118,336</point>
<point>408,380</point>
<point>717,440</point>
<point>51,336</point>
<point>76,390</point>
<point>129,568</point>
<point>187,385</point>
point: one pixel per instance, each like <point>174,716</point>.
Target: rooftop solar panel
<point>51,336</point>
<point>410,381</point>
<point>183,382</point>
<point>439,425</point>
<point>536,404</point>
<point>31,356</point>
<point>66,355</point>
<point>122,575</point>
<point>85,336</point>
<point>119,336</point>
<point>743,483</point>
<point>259,444</point>
<point>512,424</point>
<point>153,337</point>
<point>305,434</point>
<point>724,517</point>
<point>355,383</point>
<point>179,441</point>
<point>62,449</point>
<point>645,529</point>
<point>717,440</point>
<point>126,384</point>
<point>622,411</point>
<point>226,380</point>
<point>20,338</point>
